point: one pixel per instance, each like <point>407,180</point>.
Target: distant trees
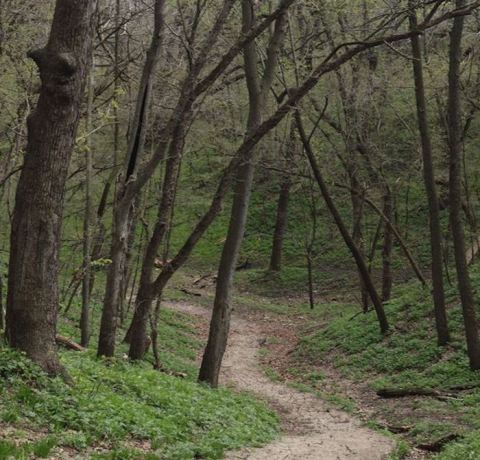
<point>33,298</point>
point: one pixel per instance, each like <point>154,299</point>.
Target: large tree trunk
<point>455,147</point>
<point>257,90</point>
<point>429,180</point>
<point>35,238</point>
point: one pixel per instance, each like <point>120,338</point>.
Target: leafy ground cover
<point>117,409</point>
<point>341,356</point>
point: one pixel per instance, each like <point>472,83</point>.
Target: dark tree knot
<point>61,65</point>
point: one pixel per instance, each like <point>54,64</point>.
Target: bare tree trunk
<point>258,90</point>
<point>311,243</point>
<point>2,311</point>
<point>85,315</point>
<point>123,212</point>
<point>146,292</point>
<point>387,279</point>
<point>347,237</point>
<point>280,225</point>
<point>357,200</point>
<point>282,207</point>
<point>113,289</point>
<point>148,287</point>
<point>397,235</point>
<point>455,148</point>
<point>443,335</point>
<point>35,237</point>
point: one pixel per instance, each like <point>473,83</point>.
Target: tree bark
<point>441,323</point>
<point>257,91</point>
<point>455,150</point>
<point>35,237</point>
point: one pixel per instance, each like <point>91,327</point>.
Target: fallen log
<point>438,444</point>
<point>403,392</point>
<point>68,343</point>
<point>464,387</point>
<point>186,291</point>
<point>397,429</point>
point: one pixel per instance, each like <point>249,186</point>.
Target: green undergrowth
<point>121,410</point>
<point>407,358</point>
<point>466,449</point>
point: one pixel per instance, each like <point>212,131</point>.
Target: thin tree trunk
<point>443,335</point>
<point>123,212</point>
<point>258,90</point>
<point>282,207</point>
<point>85,315</point>
<point>2,310</point>
<point>469,305</point>
<point>148,287</point>
<point>357,234</point>
<point>311,243</point>
<point>35,237</point>
<point>387,248</point>
<point>400,240</point>
<point>146,292</point>
<point>280,225</point>
<point>347,237</point>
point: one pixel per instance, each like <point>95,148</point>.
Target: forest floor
<point>322,370</point>
<point>312,428</point>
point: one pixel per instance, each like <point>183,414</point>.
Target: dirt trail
<point>312,429</point>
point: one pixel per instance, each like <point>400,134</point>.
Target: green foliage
<point>114,400</point>
<point>401,451</point>
<point>38,449</point>
<point>466,449</point>
<point>10,450</point>
<point>406,358</point>
<point>42,448</point>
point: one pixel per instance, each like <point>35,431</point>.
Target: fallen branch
<point>437,445</point>
<point>464,387</point>
<point>186,291</point>
<point>202,278</point>
<point>68,343</point>
<point>397,429</point>
<point>403,392</point>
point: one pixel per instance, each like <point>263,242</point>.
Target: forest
<point>240,229</point>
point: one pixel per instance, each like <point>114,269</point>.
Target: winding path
<point>312,430</point>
